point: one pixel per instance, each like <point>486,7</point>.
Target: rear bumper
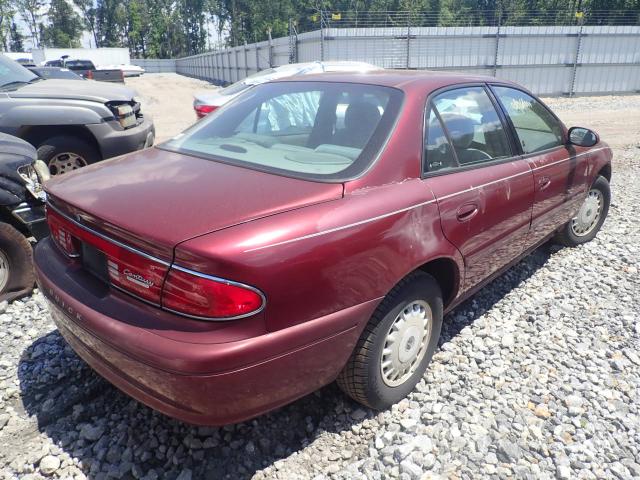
<point>114,141</point>
<point>212,383</point>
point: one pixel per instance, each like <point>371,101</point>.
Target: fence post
<point>321,35</point>
<point>270,45</point>
<point>246,60</point>
<point>216,75</point>
<point>293,42</point>
<point>575,61</point>
<point>496,52</point>
<point>408,40</point>
<point>257,57</point>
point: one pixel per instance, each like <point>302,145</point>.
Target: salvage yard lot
<point>537,376</point>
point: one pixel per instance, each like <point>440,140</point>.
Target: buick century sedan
<point>315,229</point>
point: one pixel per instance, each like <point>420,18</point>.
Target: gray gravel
<point>538,376</point>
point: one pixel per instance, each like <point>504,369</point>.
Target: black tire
<point>361,377</point>
<point>567,237</point>
<point>19,255</point>
<point>51,147</point>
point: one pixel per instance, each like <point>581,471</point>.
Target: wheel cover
<point>589,214</point>
<point>5,270</point>
<point>65,162</point>
<point>406,343</point>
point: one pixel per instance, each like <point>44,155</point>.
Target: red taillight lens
<point>203,110</point>
<point>61,234</point>
<point>207,297</point>
<point>130,271</point>
<point>136,274</point>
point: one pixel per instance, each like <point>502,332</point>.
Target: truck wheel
<point>16,264</point>
<point>585,225</point>
<point>65,153</point>
<point>397,344</point>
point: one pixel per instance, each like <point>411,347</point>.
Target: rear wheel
<point>397,344</point>
<point>66,153</point>
<point>590,217</point>
<point>16,264</point>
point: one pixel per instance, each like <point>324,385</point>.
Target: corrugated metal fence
<point>155,65</point>
<point>549,60</point>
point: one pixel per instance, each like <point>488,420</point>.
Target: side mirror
<point>583,137</point>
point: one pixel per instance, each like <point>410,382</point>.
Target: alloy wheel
<point>66,162</point>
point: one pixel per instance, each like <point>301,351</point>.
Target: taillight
<point>203,110</point>
<point>128,270</point>
<point>209,297</point>
<point>134,272</point>
<point>61,235</point>
<point>89,75</point>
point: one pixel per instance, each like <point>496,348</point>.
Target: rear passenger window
<point>536,127</point>
<point>473,125</point>
<point>438,151</point>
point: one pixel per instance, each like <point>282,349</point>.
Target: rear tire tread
<point>353,378</point>
<point>20,256</point>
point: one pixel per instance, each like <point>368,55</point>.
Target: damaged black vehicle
<point>22,219</point>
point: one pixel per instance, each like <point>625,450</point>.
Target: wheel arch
<point>36,134</point>
<point>605,171</point>
<point>446,273</point>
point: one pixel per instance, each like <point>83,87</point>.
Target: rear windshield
<point>79,65</point>
<point>316,130</point>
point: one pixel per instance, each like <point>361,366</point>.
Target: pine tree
<point>16,39</point>
<point>65,27</point>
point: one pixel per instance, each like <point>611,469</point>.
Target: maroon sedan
<point>315,229</point>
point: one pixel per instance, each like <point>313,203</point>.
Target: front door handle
<point>543,183</point>
<point>466,212</point>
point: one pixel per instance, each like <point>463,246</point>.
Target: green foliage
<point>6,14</point>
<point>31,13</point>
<point>172,28</point>
<point>15,38</point>
<point>65,26</point>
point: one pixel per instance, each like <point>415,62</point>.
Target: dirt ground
<point>168,97</point>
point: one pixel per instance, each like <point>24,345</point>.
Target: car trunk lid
<point>154,199</point>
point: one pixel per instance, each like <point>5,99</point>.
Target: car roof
<point>401,79</point>
<point>333,65</point>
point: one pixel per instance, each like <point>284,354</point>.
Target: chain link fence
<point>555,53</point>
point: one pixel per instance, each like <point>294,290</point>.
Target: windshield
<point>316,130</point>
<point>12,74</point>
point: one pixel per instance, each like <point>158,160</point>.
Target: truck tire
<point>16,264</point>
<point>65,153</point>
<point>396,345</point>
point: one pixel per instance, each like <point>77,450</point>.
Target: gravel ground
<point>537,376</point>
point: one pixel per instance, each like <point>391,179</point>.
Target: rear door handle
<point>543,182</point>
<point>466,212</point>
